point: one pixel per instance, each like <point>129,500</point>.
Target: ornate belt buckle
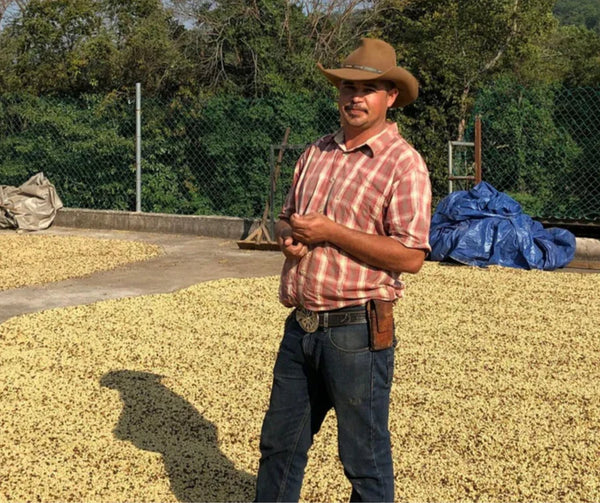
<point>308,320</point>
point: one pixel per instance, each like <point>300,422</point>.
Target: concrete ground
<point>187,260</point>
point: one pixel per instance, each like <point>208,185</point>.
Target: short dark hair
<point>388,84</point>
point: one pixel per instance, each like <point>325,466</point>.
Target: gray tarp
<point>30,207</point>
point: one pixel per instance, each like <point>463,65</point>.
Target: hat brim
<point>405,82</point>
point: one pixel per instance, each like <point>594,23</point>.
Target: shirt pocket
<point>357,204</point>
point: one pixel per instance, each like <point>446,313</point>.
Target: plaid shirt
<point>381,187</point>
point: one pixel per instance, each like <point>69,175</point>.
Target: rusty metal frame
<point>477,176</point>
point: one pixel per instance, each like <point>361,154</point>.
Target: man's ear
<point>391,97</point>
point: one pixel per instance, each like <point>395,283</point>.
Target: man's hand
<point>382,252</point>
<point>311,228</point>
<point>294,235</point>
<point>289,246</point>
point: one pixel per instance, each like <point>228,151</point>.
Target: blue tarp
<point>482,227</point>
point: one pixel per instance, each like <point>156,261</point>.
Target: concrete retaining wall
<point>211,226</point>
<point>587,254</point>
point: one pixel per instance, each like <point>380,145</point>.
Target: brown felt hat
<point>375,60</point>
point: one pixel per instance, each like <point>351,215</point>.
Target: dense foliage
<point>579,12</point>
<point>84,146</point>
<point>198,155</point>
<point>223,79</point>
<point>523,119</point>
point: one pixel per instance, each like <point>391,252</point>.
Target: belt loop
<point>325,319</point>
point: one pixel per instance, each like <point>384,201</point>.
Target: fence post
<point>477,150</point>
<point>450,162</point>
<point>138,147</point>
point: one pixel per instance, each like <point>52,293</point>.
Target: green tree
<point>251,48</point>
<point>149,46</point>
<point>566,54</point>
<point>69,47</point>
<point>585,13</point>
<point>454,48</point>
<point>270,46</point>
<point>48,42</point>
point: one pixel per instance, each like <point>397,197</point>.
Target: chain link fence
<point>85,147</point>
<point>542,147</point>
<point>216,156</point>
<point>207,157</point>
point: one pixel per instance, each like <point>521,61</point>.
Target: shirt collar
<point>375,144</point>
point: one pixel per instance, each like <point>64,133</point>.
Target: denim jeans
<point>314,372</point>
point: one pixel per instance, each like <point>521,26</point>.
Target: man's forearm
<point>378,251</point>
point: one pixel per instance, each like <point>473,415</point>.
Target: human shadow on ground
<point>158,420</point>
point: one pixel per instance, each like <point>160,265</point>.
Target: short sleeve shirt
<point>381,187</point>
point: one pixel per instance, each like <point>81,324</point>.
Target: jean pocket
<point>350,338</point>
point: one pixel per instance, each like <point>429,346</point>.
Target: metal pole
<point>138,147</point>
<point>449,167</point>
<point>477,150</point>
<point>272,193</point>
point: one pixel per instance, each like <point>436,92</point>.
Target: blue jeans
<point>329,368</point>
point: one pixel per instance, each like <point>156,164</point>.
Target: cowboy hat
<point>375,60</point>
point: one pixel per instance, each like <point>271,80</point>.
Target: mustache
<point>354,107</point>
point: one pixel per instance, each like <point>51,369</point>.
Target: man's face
<point>363,104</point>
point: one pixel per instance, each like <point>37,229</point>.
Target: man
<point>357,215</point>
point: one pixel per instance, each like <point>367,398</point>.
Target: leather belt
<point>310,321</point>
